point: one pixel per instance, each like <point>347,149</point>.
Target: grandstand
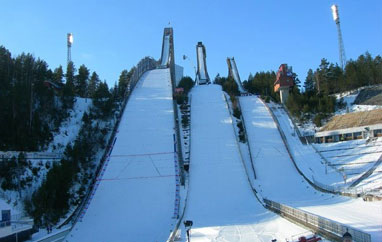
<point>350,126</point>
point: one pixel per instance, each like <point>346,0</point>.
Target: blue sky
<point>110,36</point>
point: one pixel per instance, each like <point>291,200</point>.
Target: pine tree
<point>68,90</point>
<point>309,84</point>
<point>58,75</point>
<point>81,81</point>
<point>69,85</point>
<point>93,84</point>
<point>123,82</point>
<point>102,91</point>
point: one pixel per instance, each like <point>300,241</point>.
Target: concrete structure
<point>178,74</point>
<point>284,82</point>
<point>234,73</point>
<point>201,74</point>
<point>359,125</point>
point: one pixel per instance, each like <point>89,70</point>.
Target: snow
<point>347,161</point>
<point>349,98</point>
<point>135,196</point>
<point>278,179</point>
<point>355,158</point>
<point>40,160</point>
<point>165,51</point>
<point>70,127</point>
<point>221,203</point>
<point>306,157</point>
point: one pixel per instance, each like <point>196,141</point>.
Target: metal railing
<point>174,233</point>
<point>321,224</point>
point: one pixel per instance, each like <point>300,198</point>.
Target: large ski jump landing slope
<point>135,199</point>
<point>221,202</point>
<point>278,179</point>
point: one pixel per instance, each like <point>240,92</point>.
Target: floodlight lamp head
<point>70,39</point>
<point>335,12</point>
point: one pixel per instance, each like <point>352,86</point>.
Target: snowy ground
<point>348,160</point>
<point>42,161</point>
<point>306,157</point>
<point>70,127</point>
<point>135,197</point>
<point>278,179</point>
<point>221,203</point>
<point>355,158</point>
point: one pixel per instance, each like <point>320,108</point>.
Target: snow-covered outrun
<point>135,198</point>
<point>221,203</point>
<point>278,179</point>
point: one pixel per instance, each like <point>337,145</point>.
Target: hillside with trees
<point>35,100</point>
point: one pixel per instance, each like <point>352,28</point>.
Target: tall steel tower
<point>336,18</point>
<point>70,42</point>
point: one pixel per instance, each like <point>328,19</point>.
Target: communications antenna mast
<point>336,18</point>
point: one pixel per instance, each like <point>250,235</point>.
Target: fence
<point>330,228</point>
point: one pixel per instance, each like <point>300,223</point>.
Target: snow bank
<point>279,180</point>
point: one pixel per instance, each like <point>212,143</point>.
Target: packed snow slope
<point>278,179</point>
<point>221,203</point>
<point>135,199</point>
<point>305,156</point>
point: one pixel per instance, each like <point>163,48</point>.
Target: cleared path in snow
<point>278,179</point>
<point>135,198</point>
<point>220,202</point>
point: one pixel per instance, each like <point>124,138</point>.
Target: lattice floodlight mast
<point>69,42</point>
<point>336,18</point>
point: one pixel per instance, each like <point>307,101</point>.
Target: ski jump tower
<point>202,74</point>
<point>284,82</point>
<point>167,56</point>
<point>234,73</point>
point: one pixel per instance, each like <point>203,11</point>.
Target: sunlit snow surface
<point>221,203</point>
<point>135,199</point>
<point>279,180</point>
